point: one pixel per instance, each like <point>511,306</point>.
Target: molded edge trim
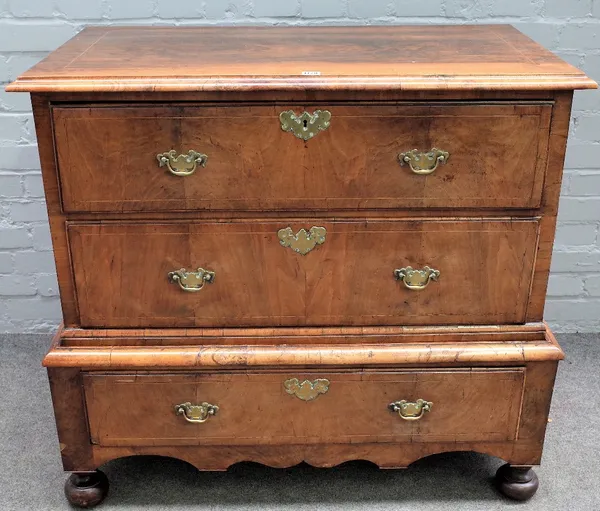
<point>287,83</point>
<point>200,354</point>
<point>208,357</point>
<point>306,331</point>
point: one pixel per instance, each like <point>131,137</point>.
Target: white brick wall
<point>29,29</point>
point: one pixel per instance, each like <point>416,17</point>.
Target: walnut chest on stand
<point>301,244</point>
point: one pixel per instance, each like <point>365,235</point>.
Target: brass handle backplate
<point>411,411</point>
<point>196,413</point>
<point>307,390</point>
<point>181,164</point>
<point>302,242</point>
<point>191,281</point>
<point>305,125</point>
<point>423,163</point>
<point>416,279</point>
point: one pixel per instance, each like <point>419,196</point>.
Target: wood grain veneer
<point>121,273</point>
<point>107,157</point>
<point>133,344</point>
<point>255,409</point>
<point>119,349</point>
<point>496,57</point>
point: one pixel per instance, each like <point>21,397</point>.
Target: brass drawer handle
<point>411,411</point>
<point>307,390</point>
<point>423,163</point>
<point>416,279</point>
<point>305,125</point>
<point>182,164</point>
<point>196,413</point>
<point>191,281</point>
<point>302,242</point>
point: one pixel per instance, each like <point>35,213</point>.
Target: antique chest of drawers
<point>301,244</point>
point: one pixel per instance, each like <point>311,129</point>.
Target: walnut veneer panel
<point>107,157</point>
<point>121,273</point>
<point>256,408</point>
<point>260,58</point>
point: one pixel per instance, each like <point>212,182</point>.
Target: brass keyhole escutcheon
<point>303,241</point>
<point>305,125</point>
<point>306,390</point>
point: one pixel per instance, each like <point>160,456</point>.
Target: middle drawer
<point>303,272</point>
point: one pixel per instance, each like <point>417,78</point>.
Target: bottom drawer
<point>303,407</point>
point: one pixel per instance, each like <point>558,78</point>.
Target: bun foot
<point>517,483</point>
<point>86,489</point>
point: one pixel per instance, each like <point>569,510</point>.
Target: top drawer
<point>107,157</point>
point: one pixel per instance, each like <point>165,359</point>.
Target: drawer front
<point>107,157</point>
<point>345,273</point>
<point>279,408</point>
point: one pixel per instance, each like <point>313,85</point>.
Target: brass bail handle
<point>423,163</point>
<point>411,411</point>
<point>416,280</point>
<point>196,414</point>
<point>191,281</point>
<point>181,164</point>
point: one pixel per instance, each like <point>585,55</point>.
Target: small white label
<point>311,73</point>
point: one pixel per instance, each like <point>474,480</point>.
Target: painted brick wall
<point>29,29</point>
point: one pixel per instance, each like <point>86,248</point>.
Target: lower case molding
<point>119,350</point>
<point>537,356</point>
<point>79,454</point>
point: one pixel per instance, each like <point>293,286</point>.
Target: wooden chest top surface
<point>417,57</point>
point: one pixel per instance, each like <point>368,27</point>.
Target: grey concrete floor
<point>31,476</point>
